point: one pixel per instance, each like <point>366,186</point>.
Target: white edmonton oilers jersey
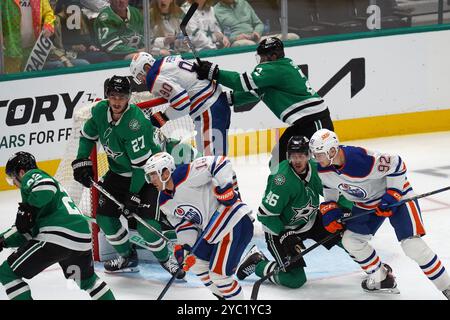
<point>174,79</point>
<point>364,177</point>
<point>192,204</point>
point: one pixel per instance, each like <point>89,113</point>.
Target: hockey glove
<point>25,217</point>
<point>391,197</point>
<point>206,70</point>
<point>83,172</point>
<point>330,213</point>
<point>291,243</point>
<point>226,195</point>
<point>158,119</point>
<point>183,256</point>
<point>131,205</point>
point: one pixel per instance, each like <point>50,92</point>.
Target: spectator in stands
<point>119,29</point>
<point>59,57</point>
<point>203,27</point>
<point>22,23</point>
<point>76,34</point>
<point>238,19</point>
<point>165,19</point>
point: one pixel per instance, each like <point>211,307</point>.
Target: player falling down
<point>282,86</point>
<point>174,79</point>
<point>127,138</point>
<point>289,213</point>
<point>213,225</point>
<point>373,180</point>
<point>49,229</point>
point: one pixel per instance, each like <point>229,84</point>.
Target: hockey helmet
<point>19,161</point>
<point>270,46</point>
<point>157,163</point>
<point>322,141</point>
<point>137,65</point>
<point>118,84</point>
<point>297,144</point>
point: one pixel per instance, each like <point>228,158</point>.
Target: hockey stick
<point>121,206</point>
<point>166,288</point>
<point>258,283</point>
<point>347,217</point>
<point>136,239</point>
<point>183,25</point>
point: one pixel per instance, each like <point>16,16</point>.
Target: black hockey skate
<point>249,262</point>
<point>123,264</point>
<point>388,285</point>
<point>171,266</point>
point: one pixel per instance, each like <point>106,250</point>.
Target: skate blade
<point>384,291</point>
<point>125,270</point>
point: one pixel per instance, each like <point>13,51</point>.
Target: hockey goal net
<point>86,199</point>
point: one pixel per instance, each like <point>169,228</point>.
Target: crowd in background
<point>93,31</point>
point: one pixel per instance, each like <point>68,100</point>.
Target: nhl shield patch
<point>279,179</point>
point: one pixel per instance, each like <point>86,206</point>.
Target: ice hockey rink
<point>331,274</point>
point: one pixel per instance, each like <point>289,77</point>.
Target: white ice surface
<point>331,274</point>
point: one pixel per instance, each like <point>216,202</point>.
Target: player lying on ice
<point>373,180</point>
<point>213,225</point>
<point>49,229</point>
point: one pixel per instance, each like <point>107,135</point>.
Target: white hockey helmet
<point>157,163</point>
<point>138,63</point>
<point>322,141</point>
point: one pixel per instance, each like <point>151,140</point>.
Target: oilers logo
<point>190,213</point>
<point>353,190</point>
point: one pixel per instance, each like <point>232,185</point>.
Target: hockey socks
<point>15,287</point>
<point>97,288</point>
<point>156,244</point>
<point>115,234</point>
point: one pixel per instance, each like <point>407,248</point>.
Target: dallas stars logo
<point>110,153</point>
<point>304,213</point>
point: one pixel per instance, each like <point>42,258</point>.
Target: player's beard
<point>117,110</point>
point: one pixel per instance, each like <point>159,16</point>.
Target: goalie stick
<point>347,217</point>
<point>183,26</point>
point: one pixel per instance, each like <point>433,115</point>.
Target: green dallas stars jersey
<point>128,143</point>
<point>280,84</point>
<point>57,219</point>
<point>117,36</point>
<point>291,203</point>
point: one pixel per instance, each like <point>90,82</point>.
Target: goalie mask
<point>322,142</point>
<point>137,65</point>
<point>157,163</point>
<point>19,161</point>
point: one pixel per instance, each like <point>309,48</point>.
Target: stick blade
<point>188,16</point>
